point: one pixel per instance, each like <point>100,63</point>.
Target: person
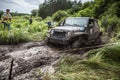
<point>30,20</point>
<point>7,19</point>
<point>49,24</point>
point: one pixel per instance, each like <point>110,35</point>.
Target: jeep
<point>76,31</point>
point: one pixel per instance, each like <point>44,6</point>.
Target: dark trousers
<point>6,25</point>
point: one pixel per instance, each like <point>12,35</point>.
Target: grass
<point>21,31</point>
<point>98,64</point>
<point>13,37</point>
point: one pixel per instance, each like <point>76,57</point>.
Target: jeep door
<point>93,29</point>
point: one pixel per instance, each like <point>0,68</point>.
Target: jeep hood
<point>69,28</point>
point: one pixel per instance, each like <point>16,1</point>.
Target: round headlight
<point>82,28</point>
<point>51,32</point>
<point>68,34</point>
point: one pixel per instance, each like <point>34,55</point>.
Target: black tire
<point>98,41</point>
<point>76,44</point>
<point>47,42</point>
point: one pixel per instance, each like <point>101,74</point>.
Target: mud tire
<point>47,42</point>
<point>98,41</point>
<point>76,44</point>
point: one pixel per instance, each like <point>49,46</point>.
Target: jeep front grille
<point>59,34</point>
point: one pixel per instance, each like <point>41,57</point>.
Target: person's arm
<point>10,17</point>
<point>2,18</point>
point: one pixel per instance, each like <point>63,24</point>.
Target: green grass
<point>13,37</point>
<point>21,31</point>
<point>98,64</point>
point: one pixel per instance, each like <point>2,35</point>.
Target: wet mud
<point>31,61</point>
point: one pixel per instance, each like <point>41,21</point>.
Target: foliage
<point>34,12</point>
<point>59,15</point>
<point>98,64</point>
<point>49,7</point>
<point>18,14</point>
<point>38,19</point>
<point>21,31</point>
<point>85,13</point>
<point>75,8</point>
<point>13,37</point>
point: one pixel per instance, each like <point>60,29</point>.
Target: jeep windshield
<point>77,22</point>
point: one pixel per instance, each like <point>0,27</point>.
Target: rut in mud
<point>29,59</point>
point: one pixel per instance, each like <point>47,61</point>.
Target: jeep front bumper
<point>58,41</point>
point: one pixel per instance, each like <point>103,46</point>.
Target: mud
<point>31,61</point>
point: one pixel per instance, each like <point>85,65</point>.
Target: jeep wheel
<point>98,41</point>
<point>47,42</point>
<point>76,44</point>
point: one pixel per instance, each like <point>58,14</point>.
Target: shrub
<point>13,37</point>
<point>85,13</point>
<point>37,27</point>
<point>18,25</point>
<point>38,19</point>
<point>59,15</point>
<point>108,22</point>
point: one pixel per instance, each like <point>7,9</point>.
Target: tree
<point>59,15</point>
<point>51,6</point>
<point>34,12</point>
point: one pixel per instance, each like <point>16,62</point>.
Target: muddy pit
<point>31,61</point>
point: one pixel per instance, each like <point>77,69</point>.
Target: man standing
<point>49,24</point>
<point>7,19</point>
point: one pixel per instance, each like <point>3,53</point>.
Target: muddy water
<point>31,61</point>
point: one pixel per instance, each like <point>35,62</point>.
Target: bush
<point>13,37</point>
<point>108,22</point>
<point>37,27</point>
<point>17,25</point>
<point>38,19</point>
<point>59,15</point>
<point>85,13</point>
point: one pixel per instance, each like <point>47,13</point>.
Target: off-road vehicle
<point>76,31</point>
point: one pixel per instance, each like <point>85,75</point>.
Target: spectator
<point>7,19</point>
<point>30,20</point>
<point>49,24</point>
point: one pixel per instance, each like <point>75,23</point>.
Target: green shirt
<point>7,17</point>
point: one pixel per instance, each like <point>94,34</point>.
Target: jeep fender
<point>83,37</point>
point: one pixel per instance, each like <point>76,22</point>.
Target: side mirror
<point>61,23</point>
<point>85,26</point>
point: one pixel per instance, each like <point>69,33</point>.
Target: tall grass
<point>13,37</point>
<point>37,27</point>
<point>98,64</point>
<point>21,31</point>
